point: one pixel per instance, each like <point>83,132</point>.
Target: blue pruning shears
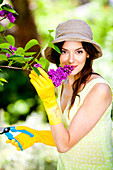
<point>10,136</point>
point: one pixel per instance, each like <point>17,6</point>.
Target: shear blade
<point>1,130</point>
<point>4,130</point>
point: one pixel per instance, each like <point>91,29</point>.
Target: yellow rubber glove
<point>46,91</point>
<point>26,141</point>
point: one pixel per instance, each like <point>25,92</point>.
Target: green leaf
<point>5,50</point>
<point>6,7</point>
<point>1,1</point>
<point>2,28</point>
<point>50,31</point>
<point>30,44</point>
<point>50,37</point>
<point>20,51</point>
<point>44,62</point>
<point>4,45</point>
<point>3,80</point>
<point>36,70</point>
<point>28,59</point>
<point>1,83</point>
<point>3,57</point>
<point>10,39</point>
<point>17,58</point>
<point>30,53</point>
<point>50,44</point>
<point>10,25</point>
<point>57,49</point>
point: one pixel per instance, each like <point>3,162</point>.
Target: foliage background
<point>19,103</point>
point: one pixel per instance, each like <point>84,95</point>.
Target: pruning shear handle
<point>10,136</point>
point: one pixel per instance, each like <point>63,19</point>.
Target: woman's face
<point>72,53</point>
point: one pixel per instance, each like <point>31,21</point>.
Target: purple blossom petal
<point>12,48</point>
<point>2,13</point>
<point>8,55</point>
<point>10,17</point>
<point>8,14</point>
<point>37,65</point>
<point>58,75</point>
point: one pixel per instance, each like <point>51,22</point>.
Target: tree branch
<point>15,68</point>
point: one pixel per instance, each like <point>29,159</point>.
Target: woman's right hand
<point>42,136</point>
<point>25,140</point>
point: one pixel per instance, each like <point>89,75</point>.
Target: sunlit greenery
<point>18,97</point>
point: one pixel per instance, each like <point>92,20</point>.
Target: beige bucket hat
<point>73,30</point>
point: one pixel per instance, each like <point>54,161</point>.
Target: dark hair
<point>85,72</point>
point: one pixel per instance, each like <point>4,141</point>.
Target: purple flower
<point>37,65</point>
<point>8,55</point>
<point>58,75</point>
<point>12,49</point>
<point>9,15</point>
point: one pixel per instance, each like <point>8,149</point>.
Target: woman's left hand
<point>46,91</point>
<point>43,85</point>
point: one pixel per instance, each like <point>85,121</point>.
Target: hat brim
<point>48,50</point>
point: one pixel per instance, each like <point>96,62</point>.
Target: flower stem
<point>3,18</point>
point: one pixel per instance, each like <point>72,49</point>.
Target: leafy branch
<point>11,54</point>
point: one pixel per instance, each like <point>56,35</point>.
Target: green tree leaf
<point>17,58</point>
<point>50,31</point>
<point>20,51</point>
<point>44,62</point>
<point>2,28</point>
<point>10,25</point>
<point>28,59</point>
<point>30,44</point>
<point>10,39</point>
<point>4,45</point>
<point>1,1</point>
<point>36,70</point>
<point>30,53</point>
<point>50,44</point>
<point>6,7</point>
<point>3,80</point>
<point>3,57</point>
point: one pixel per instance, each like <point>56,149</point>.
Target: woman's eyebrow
<point>79,48</point>
<point>75,49</point>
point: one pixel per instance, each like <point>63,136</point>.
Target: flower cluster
<point>37,65</point>
<point>12,49</point>
<point>60,74</point>
<point>8,15</point>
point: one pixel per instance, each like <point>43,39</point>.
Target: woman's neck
<point>72,78</point>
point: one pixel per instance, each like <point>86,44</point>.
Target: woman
<point>80,121</point>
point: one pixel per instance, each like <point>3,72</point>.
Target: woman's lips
<point>74,67</point>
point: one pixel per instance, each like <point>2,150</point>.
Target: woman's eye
<point>63,52</point>
<point>79,51</point>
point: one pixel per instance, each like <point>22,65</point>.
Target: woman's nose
<point>71,58</point>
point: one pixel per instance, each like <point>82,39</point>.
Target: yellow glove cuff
<point>54,115</point>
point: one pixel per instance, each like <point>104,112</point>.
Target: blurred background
<point>19,103</point>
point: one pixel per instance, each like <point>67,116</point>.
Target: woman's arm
<point>92,109</point>
<point>40,136</point>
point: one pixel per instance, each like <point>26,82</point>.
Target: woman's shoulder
<point>99,86</point>
<point>95,78</point>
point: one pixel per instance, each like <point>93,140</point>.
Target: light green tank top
<point>95,150</point>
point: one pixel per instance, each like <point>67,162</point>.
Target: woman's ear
<point>87,56</point>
